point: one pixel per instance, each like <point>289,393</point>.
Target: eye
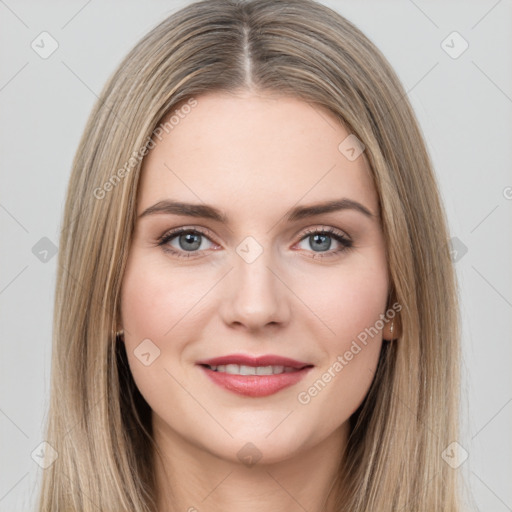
<point>188,242</point>
<point>320,240</point>
<point>184,240</point>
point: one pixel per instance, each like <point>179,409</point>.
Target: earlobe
<point>392,328</point>
<point>390,331</point>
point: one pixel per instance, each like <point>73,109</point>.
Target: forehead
<point>253,153</point>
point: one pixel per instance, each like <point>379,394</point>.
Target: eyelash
<point>345,242</point>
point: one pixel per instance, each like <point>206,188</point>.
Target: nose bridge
<point>255,296</point>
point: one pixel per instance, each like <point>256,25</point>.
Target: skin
<point>253,156</point>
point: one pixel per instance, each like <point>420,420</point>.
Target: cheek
<point>350,304</point>
<point>154,301</point>
<point>151,315</point>
<point>347,301</point>
<point>164,306</point>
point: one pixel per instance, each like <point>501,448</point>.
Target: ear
<point>393,327</point>
<point>389,332</point>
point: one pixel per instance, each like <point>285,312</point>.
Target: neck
<point>192,479</point>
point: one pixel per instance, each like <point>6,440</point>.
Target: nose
<point>255,295</point>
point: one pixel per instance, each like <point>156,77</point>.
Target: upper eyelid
<point>178,231</point>
<point>327,229</point>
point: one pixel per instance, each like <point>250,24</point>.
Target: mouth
<point>242,369</point>
<point>254,376</point>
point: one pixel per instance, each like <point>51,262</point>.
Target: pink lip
<point>255,385</point>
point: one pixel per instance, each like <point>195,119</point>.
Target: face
<point>245,272</point>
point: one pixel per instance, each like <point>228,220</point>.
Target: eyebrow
<point>204,211</point>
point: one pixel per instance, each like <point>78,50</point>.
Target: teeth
<point>269,370</point>
<point>236,369</point>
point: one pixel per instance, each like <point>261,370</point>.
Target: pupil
<point>326,241</point>
<point>190,238</point>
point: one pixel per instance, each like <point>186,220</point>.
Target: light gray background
<point>464,106</point>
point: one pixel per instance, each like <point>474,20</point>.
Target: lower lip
<point>255,385</point>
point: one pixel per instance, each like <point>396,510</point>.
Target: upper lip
<point>264,360</point>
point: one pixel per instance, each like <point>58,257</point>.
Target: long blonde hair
<point>98,422</point>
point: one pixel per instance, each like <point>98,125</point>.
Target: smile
<point>235,369</point>
<point>254,376</point>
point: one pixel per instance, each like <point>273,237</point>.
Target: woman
<point>256,306</point>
